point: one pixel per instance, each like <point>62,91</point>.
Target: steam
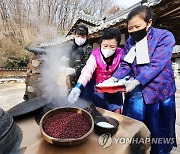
<point>54,72</point>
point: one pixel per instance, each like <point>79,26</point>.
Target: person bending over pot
<point>102,63</point>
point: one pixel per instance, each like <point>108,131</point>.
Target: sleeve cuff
<point>80,86</point>
<point>141,81</point>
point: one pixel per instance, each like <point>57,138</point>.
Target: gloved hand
<point>74,95</point>
<point>131,84</point>
<point>69,71</point>
<point>110,80</point>
<point>64,60</point>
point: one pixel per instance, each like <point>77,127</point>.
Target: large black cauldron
<point>41,106</point>
<point>81,103</point>
<point>8,132</point>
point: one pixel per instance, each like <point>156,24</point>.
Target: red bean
<point>66,125</point>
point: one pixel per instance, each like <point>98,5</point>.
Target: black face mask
<point>138,35</point>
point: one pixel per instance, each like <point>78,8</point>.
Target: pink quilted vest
<point>101,74</point>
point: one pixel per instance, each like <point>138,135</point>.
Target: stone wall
<point>32,78</point>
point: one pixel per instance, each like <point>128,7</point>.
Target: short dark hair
<point>111,33</point>
<point>142,10</point>
<point>81,30</point>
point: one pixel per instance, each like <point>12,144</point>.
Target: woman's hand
<point>74,95</point>
<point>131,84</point>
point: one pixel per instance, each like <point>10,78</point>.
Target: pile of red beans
<point>66,125</point>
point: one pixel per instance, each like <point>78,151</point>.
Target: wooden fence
<point>13,73</point>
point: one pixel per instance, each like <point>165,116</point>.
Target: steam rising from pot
<point>54,72</point>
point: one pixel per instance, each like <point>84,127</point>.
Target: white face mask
<point>80,41</point>
<point>107,52</point>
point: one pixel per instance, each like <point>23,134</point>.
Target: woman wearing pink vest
<point>101,65</point>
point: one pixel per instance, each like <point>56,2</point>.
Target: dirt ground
<point>11,93</point>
